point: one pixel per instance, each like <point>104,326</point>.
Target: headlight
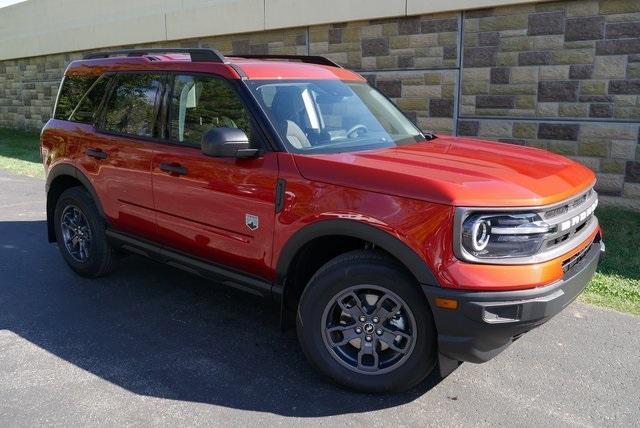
<point>496,236</point>
<point>519,235</point>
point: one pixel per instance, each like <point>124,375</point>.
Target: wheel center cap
<point>368,327</point>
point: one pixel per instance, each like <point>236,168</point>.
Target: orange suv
<point>396,251</point>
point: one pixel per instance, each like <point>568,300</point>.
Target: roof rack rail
<point>309,59</point>
<point>197,54</point>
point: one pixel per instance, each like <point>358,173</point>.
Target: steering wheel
<point>356,128</point>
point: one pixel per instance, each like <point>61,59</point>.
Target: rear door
<point>118,154</point>
<point>220,209</point>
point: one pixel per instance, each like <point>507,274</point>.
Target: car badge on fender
<point>252,221</point>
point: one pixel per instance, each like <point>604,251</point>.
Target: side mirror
<point>227,143</point>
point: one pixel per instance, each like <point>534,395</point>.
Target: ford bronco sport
<point>395,251</point>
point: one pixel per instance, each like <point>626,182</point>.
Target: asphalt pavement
<point>151,345</point>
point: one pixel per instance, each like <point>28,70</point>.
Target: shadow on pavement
<point>160,332</point>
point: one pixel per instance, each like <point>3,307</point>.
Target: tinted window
<point>72,90</point>
<point>202,102</point>
<point>133,105</point>
<point>87,109</point>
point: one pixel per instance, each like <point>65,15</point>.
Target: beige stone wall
<point>559,60</point>
<point>564,76</point>
<point>428,97</point>
<point>421,42</point>
<point>44,27</point>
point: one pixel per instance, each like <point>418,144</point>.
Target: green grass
<point>20,152</point>
<point>616,284</point>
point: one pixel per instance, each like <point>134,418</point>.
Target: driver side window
<point>199,103</point>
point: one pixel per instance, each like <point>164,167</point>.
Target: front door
<point>219,209</point>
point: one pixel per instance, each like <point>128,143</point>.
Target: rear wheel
<point>363,322</point>
<point>80,233</point>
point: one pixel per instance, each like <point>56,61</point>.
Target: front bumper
<point>485,323</point>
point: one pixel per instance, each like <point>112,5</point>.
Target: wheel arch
<point>352,229</point>
<point>60,178</point>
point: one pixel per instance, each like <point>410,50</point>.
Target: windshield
<point>331,116</point>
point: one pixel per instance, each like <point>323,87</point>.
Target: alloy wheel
<point>368,329</point>
<point>76,233</point>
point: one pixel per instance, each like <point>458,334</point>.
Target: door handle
<point>174,168</point>
<point>96,153</point>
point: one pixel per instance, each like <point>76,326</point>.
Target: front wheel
<point>364,322</point>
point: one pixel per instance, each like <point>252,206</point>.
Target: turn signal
<point>445,303</point>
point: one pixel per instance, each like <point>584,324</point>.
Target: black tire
<point>100,255</point>
<point>339,276</point>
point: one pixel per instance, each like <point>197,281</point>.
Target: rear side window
<point>87,109</point>
<point>72,90</point>
<point>133,104</point>
<point>199,103</point>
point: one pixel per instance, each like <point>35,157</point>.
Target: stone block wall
<point>422,42</point>
<point>427,97</point>
<point>563,76</point>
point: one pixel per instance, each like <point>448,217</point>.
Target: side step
<point>203,268</point>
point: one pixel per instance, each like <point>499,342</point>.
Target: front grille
<point>571,204</point>
<point>556,212</point>
<point>572,261</point>
<point>569,218</point>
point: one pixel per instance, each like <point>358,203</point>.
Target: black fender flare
<point>66,169</point>
<point>354,229</point>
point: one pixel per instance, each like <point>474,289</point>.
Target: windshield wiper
<point>429,135</point>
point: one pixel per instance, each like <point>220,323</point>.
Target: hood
<point>455,171</point>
